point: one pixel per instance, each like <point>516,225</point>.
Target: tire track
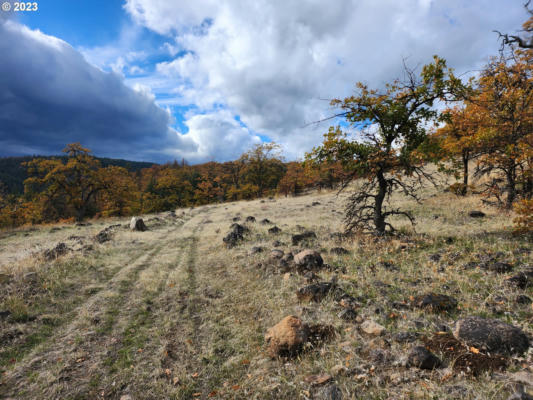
<point>64,347</point>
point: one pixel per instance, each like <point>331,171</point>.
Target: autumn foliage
<point>78,187</point>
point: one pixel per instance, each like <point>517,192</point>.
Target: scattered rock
<point>315,292</point>
<point>435,302</point>
<point>499,267</point>
<point>435,257</point>
<point>137,224</point>
<point>300,237</point>
<point>265,221</point>
<point>287,337</point>
<point>520,395</point>
<point>491,335</point>
<point>388,266</point>
<point>277,254</point>
<point>315,203</point>
<point>274,230</point>
<point>58,251</point>
<point>257,249</point>
<point>399,305</point>
<point>522,280</point>
<point>235,235</point>
<point>372,328</point>
<point>4,314</point>
<point>250,219</point>
<point>523,299</point>
<point>103,236</point>
<point>340,251</point>
<point>311,277</point>
<point>422,358</point>
<point>330,392</point>
<point>277,243</point>
<point>309,260</point>
<point>476,214</point>
<point>287,258</point>
<point>236,219</point>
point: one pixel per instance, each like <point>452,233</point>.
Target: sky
<point>205,80</point>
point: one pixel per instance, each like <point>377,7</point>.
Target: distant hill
<point>13,174</point>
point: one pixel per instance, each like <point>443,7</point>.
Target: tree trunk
<point>465,173</point>
<point>511,187</point>
<point>379,219</point>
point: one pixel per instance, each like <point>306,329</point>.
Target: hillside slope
<point>13,174</point>
<point>173,313</point>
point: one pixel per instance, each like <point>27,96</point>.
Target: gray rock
<point>435,302</point>
<point>422,358</point>
<point>476,214</point>
<point>297,239</point>
<point>308,260</point>
<point>274,230</point>
<point>256,249</point>
<point>277,254</point>
<point>235,235</point>
<point>137,224</point>
<point>58,251</point>
<point>491,335</point>
<point>330,392</point>
<point>340,251</point>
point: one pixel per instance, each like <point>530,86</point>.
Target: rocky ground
<point>267,299</point>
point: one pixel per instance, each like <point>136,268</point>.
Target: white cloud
<point>215,136</point>
<point>271,62</point>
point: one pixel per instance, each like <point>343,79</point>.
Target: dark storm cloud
<point>50,96</point>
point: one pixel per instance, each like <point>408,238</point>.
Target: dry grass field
<point>171,313</point>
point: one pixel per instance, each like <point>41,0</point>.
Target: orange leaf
<point>212,394</point>
<point>235,387</point>
<point>245,362</point>
<point>474,350</point>
<point>195,375</point>
<point>168,372</point>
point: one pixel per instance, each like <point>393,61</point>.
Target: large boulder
<point>137,224</point>
<point>287,337</point>
<point>491,335</point>
<point>308,260</point>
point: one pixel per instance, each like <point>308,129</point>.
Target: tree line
<point>77,186</point>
